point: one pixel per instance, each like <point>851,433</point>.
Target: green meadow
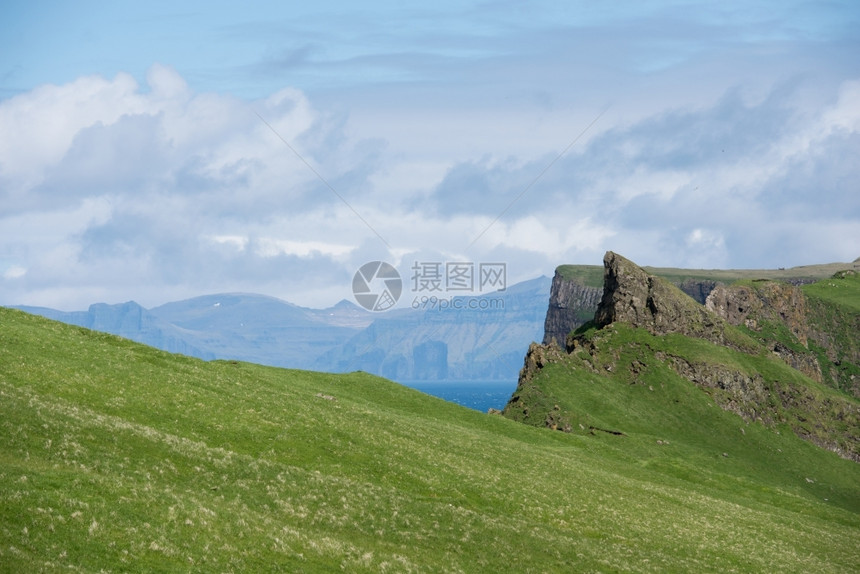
<point>116,457</point>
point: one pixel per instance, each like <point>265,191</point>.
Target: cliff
<point>571,305</point>
<point>800,324</point>
<point>754,348</point>
<point>780,307</point>
<point>576,292</point>
<point>631,295</point>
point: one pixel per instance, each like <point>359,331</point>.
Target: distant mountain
<point>247,327</point>
<point>467,338</point>
<point>471,338</point>
<point>131,321</point>
<point>263,329</point>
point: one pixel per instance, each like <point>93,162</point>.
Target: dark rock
<point>571,305</point>
<point>630,295</point>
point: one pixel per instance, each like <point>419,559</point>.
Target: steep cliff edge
<point>577,289</point>
<point>630,295</point>
<point>787,310</point>
<point>648,334</point>
<point>572,302</point>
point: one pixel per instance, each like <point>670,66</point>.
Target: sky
<point>163,150</point>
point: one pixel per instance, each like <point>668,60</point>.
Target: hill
<point>120,457</point>
<point>819,332</point>
<point>682,356</point>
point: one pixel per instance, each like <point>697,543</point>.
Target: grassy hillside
<point>119,457</point>
<point>842,289</point>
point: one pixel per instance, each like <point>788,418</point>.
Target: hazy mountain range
<point>472,338</point>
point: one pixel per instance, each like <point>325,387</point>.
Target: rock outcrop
<point>808,335</point>
<point>816,342</point>
<point>637,299</point>
<point>631,295</point>
<point>769,300</point>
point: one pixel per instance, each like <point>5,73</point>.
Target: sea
<point>478,395</point>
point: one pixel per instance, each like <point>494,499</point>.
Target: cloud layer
<point>114,189</point>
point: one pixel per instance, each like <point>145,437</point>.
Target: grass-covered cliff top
<point>592,275</point>
<point>842,289</point>
<point>119,457</point>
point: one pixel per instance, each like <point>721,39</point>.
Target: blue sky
<point>143,154</point>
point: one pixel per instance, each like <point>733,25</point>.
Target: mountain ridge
<point>577,289</point>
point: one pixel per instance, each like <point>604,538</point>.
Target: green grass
<point>588,275</point>
<point>118,457</point>
<point>834,309</point>
<point>592,275</point>
<point>843,289</point>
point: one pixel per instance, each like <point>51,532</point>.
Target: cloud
<point>715,186</point>
<point>114,190</point>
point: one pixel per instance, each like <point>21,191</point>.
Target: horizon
<point>153,153</point>
<point>352,301</point>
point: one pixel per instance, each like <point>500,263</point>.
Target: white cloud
<point>271,247</point>
<point>14,272</point>
<point>115,191</point>
<point>237,242</point>
<point>39,126</point>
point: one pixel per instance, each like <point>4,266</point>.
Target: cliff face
<point>809,335</point>
<point>746,329</point>
<point>572,302</point>
<point>571,305</point>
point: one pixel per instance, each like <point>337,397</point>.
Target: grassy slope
<point>834,308</point>
<point>842,290</point>
<point>117,457</point>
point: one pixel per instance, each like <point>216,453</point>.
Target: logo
<point>376,286</point>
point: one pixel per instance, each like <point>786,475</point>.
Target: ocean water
<point>478,395</point>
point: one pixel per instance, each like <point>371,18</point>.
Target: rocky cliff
<point>749,335</point>
<point>574,297</point>
<point>807,332</point>
<point>631,295</point>
<point>571,304</point>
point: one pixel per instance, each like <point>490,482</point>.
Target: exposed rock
<point>571,304</point>
<point>741,393</point>
<point>771,303</point>
<point>632,296</point>
<point>536,358</point>
<point>769,300</point>
<point>698,289</point>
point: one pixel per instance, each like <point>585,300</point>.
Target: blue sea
<point>478,395</point>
